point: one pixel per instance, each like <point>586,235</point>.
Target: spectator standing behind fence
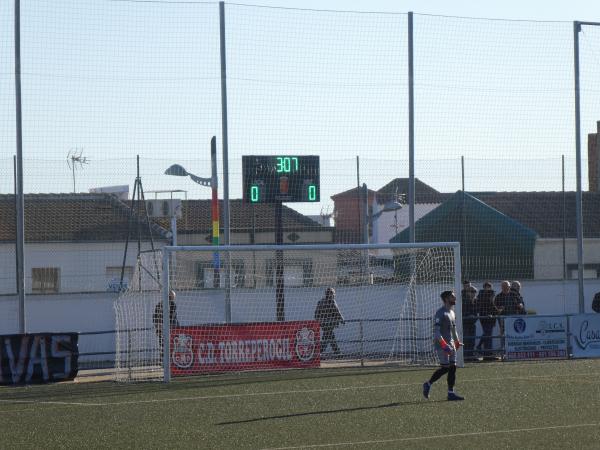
<point>515,290</point>
<point>328,314</point>
<point>469,318</point>
<point>157,318</point>
<point>503,303</point>
<point>487,317</point>
<point>596,302</point>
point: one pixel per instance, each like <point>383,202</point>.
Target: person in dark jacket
<point>596,302</point>
<point>328,314</point>
<point>507,305</point>
<point>157,318</point>
<point>487,317</point>
<point>469,318</point>
<point>508,302</point>
<point>519,303</point>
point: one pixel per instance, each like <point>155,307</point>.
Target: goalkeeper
<point>446,343</point>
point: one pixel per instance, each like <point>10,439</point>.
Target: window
<point>296,272</point>
<point>205,274</point>
<point>45,280</point>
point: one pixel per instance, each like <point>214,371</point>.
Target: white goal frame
<point>168,251</point>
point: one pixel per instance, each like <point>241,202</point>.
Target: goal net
<point>265,307</point>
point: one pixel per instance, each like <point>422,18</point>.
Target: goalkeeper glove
<point>445,347</point>
<point>457,344</point>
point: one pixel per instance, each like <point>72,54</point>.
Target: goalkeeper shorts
<point>445,359</point>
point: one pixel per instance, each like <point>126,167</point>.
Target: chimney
<point>593,157</point>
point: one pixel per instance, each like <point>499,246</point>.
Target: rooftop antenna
<point>75,159</point>
<point>326,215</point>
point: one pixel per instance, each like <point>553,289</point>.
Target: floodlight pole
<point>279,280</point>
<point>578,199</point>
<point>19,172</point>
<point>213,183</point>
<point>411,132</point>
<point>225,145</point>
<point>215,220</point>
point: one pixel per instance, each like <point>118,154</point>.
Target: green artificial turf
<point>550,404</point>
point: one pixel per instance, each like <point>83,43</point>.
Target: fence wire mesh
<point>104,82</point>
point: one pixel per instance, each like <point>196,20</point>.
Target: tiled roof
<point>550,214</point>
<point>102,217</point>
<point>69,217</point>
<point>544,212</point>
<point>399,186</point>
<point>350,193</point>
<point>196,217</point>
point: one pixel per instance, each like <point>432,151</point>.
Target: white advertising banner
<point>535,337</point>
<point>585,335</point>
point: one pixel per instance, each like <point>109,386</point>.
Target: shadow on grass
<point>331,411</point>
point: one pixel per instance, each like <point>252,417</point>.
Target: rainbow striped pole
<point>215,212</point>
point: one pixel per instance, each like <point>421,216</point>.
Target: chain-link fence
<point>105,81</point>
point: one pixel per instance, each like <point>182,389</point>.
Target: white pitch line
<point>51,402</point>
<point>289,392</point>
<point>438,436</point>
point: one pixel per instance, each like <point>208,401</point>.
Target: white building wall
<point>95,312</point>
<point>8,269</point>
<point>548,256</point>
<point>82,265</point>
<point>390,223</point>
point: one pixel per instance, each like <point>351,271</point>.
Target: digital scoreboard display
<point>281,178</point>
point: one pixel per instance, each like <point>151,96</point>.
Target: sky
<point>582,10</point>
<point>124,78</point>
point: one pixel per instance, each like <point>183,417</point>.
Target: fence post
<point>19,170</point>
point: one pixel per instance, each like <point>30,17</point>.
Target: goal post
<point>283,306</point>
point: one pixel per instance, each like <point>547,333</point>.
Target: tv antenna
<point>326,215</point>
<point>76,160</point>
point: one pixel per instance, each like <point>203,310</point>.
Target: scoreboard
<point>281,178</point>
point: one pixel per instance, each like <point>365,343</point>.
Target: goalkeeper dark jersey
<point>445,326</point>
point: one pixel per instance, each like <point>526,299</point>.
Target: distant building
<point>515,234</point>
<point>75,243</point>
<point>349,210</point>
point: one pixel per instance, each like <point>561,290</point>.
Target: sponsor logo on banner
<point>520,326</point>
<point>585,335</point>
<point>545,326</point>
<point>183,355</point>
<point>251,346</point>
<point>536,337</point>
<point>305,344</point>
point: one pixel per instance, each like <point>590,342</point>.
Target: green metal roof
<point>493,245</point>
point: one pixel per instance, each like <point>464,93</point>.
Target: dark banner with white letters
<point>38,358</point>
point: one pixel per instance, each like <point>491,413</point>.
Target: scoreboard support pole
<point>279,281</point>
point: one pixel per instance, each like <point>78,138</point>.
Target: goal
<point>265,307</point>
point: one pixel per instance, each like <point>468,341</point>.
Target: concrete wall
<point>95,312</point>
<point>83,267</point>
<point>548,256</point>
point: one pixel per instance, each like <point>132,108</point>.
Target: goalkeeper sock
<point>438,374</point>
<point>451,377</point>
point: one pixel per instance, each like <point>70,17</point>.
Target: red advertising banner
<point>253,346</point>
